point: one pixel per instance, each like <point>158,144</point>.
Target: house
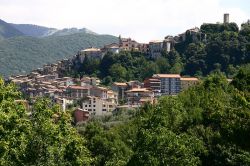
<point>114,48</point>
<point>168,43</point>
<point>97,106</point>
<point>77,92</point>
<point>90,81</point>
<point>186,82</point>
<point>134,84</point>
<point>92,53</point>
<point>127,44</point>
<point>112,96</point>
<point>138,96</point>
<point>101,92</point>
<point>155,48</point>
<point>80,115</point>
<point>120,88</point>
<point>170,83</point>
<point>153,84</point>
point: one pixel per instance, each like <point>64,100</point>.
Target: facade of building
<point>100,92</point>
<point>77,92</point>
<point>92,53</point>
<point>114,48</point>
<point>97,106</point>
<point>155,48</point>
<point>170,83</point>
<point>120,88</point>
<point>153,84</point>
<point>127,44</point>
<point>186,82</point>
<point>80,115</point>
<point>138,96</point>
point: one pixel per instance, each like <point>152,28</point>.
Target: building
<point>77,92</point>
<point>153,84</point>
<point>114,48</point>
<point>138,96</point>
<point>226,18</point>
<point>170,83</point>
<point>80,115</point>
<point>187,82</point>
<point>97,106</point>
<point>90,81</point>
<point>120,88</point>
<point>127,44</point>
<point>155,48</point>
<point>100,92</point>
<point>92,53</point>
<point>168,43</point>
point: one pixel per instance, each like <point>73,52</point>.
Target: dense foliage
<point>43,137</point>
<point>208,124</point>
<point>19,55</point>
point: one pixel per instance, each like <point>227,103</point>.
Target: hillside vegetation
<point>208,124</point>
<point>19,55</point>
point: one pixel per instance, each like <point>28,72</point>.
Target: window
<point>104,110</point>
<point>86,105</point>
<point>89,109</point>
<point>89,105</point>
<point>93,109</point>
<point>93,105</point>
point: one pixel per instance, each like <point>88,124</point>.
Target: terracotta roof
<point>166,76</point>
<point>189,79</point>
<point>120,83</point>
<point>91,50</point>
<point>77,87</point>
<point>139,90</point>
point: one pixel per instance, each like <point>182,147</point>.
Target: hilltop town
<point>92,97</point>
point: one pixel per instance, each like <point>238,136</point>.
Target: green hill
<point>34,30</point>
<point>19,55</point>
<point>7,31</point>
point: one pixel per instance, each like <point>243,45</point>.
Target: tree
<point>118,72</point>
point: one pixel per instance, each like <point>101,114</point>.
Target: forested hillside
<point>19,55</point>
<point>208,124</point>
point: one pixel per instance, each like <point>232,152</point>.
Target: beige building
<point>90,53</point>
<point>138,96</point>
<point>186,82</point>
<point>97,106</point>
<point>77,92</point>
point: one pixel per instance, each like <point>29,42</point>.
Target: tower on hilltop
<point>226,18</point>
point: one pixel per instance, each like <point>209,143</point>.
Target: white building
<point>98,106</point>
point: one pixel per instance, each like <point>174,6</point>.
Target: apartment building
<point>120,88</point>
<point>153,84</point>
<point>97,106</point>
<point>170,83</point>
<point>77,92</point>
<point>138,96</point>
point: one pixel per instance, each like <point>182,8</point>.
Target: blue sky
<point>143,20</point>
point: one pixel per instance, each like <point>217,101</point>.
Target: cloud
<point>142,20</point>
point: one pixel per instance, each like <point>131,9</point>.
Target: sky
<point>142,20</point>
